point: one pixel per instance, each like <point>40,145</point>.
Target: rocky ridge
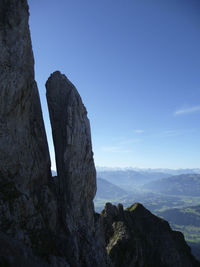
<point>136,237</point>
<point>51,222</point>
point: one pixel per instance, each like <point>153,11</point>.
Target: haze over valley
<point>170,194</point>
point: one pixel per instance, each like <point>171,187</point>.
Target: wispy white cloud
<point>123,145</point>
<point>184,111</point>
<point>138,131</point>
<point>171,133</point>
<point>110,148</point>
<point>130,141</point>
<point>115,149</point>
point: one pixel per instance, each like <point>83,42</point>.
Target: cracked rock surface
<point>76,179</point>
<point>27,204</point>
<point>136,237</point>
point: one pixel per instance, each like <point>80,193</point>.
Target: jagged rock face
<point>73,149</point>
<point>135,237</point>
<point>24,156</point>
<point>76,179</point>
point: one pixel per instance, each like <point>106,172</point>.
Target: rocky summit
<point>47,221</point>
<point>136,237</point>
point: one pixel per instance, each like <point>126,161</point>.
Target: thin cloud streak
<point>139,131</point>
<point>130,141</point>
<point>187,110</point>
<point>171,133</point>
<point>114,149</point>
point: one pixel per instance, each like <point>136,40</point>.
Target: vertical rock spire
<point>73,149</point>
<point>76,173</point>
<point>25,173</point>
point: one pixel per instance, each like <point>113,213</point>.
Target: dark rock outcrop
<point>25,198</point>
<point>73,151</point>
<point>14,253</point>
<point>136,237</point>
<point>76,179</point>
<point>24,152</point>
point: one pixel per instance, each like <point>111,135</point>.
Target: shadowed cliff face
<point>76,179</point>
<point>24,152</point>
<point>73,150</point>
<point>136,237</point>
<point>24,156</point>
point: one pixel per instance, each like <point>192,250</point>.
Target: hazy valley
<point>167,193</point>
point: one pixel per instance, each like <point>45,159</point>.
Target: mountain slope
<point>129,179</point>
<point>182,216</point>
<point>186,220</point>
<point>185,184</point>
<point>107,190</point>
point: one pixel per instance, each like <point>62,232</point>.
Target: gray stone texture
<point>73,150</point>
<point>25,198</point>
<point>24,155</point>
<point>76,181</point>
<point>135,237</point>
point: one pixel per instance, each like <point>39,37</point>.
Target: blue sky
<point>136,65</point>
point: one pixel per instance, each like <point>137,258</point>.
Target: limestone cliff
<point>76,179</point>
<point>73,151</point>
<point>24,157</point>
<point>23,146</point>
<point>136,237</point>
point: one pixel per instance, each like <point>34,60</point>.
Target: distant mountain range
<point>169,172</point>
<point>130,179</point>
<point>185,184</point>
<point>107,190</point>
<point>149,170</point>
